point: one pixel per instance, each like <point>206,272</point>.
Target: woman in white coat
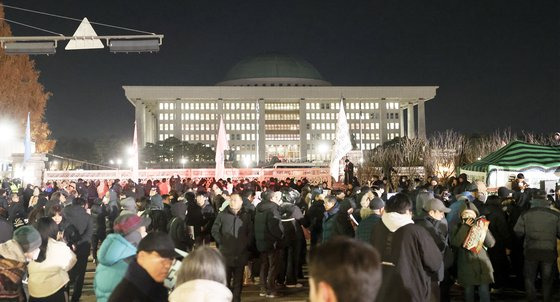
<point>48,274</point>
<point>202,278</point>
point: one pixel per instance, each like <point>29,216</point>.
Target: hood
<point>113,249</point>
<point>179,209</point>
<point>12,250</point>
<point>543,203</point>
<point>156,202</point>
<point>201,291</point>
<point>77,216</point>
<point>393,220</point>
<point>265,206</point>
<point>128,204</point>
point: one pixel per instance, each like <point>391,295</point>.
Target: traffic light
<point>30,48</point>
<point>133,45</point>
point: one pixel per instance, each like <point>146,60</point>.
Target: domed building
<point>277,105</point>
<point>273,70</point>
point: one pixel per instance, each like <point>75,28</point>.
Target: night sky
<point>497,63</point>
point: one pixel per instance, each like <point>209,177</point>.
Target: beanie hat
<point>127,223</point>
<point>377,203</point>
<point>28,238</point>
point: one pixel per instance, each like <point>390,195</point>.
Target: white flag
<point>135,155</point>
<point>221,146</point>
<point>342,144</point>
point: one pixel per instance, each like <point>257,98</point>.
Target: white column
<point>302,131</point>
<point>262,137</point>
<point>140,116</point>
<point>421,119</point>
<point>410,133</point>
<point>401,121</point>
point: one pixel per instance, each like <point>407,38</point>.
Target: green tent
<point>516,156</point>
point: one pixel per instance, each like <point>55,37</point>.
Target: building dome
<point>273,70</point>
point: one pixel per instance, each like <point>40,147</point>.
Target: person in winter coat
<point>6,228</point>
<point>16,211</point>
<point>177,228</point>
<point>144,277</point>
<point>116,252</point>
<point>269,235</point>
<point>434,222</point>
<point>48,274</point>
<point>79,228</point>
<point>540,227</point>
<point>313,218</point>
<point>14,255</point>
<point>233,232</point>
<point>200,216</point>
<point>336,221</point>
<point>293,236</point>
<point>202,278</point>
<point>98,215</point>
<point>408,253</point>
<point>473,269</point>
<point>128,206</point>
<point>499,228</point>
<point>370,214</point>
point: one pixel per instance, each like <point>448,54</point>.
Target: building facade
<point>278,106</point>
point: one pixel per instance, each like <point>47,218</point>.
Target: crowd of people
<point>204,240</point>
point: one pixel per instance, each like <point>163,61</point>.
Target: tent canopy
<point>516,156</point>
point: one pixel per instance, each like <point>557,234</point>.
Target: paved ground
<point>251,293</point>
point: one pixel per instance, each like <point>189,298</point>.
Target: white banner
<point>342,143</point>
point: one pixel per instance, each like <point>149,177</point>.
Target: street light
<point>247,161</point>
<point>323,148</point>
<point>112,162</point>
<point>119,162</point>
<point>183,162</point>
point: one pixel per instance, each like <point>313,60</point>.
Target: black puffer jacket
<point>268,226</point>
<point>291,222</point>
<point>78,217</point>
<point>234,235</point>
<point>541,227</point>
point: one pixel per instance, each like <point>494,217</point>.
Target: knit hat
<point>504,192</point>
<point>127,223</point>
<point>436,205</point>
<point>376,204</point>
<point>28,238</point>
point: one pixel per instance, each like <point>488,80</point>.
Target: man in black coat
<point>407,250</point>
<point>540,226</point>
<point>269,235</point>
<point>144,278</point>
<point>293,236</point>
<point>233,232</point>
<point>434,222</point>
<point>79,227</point>
<point>348,172</point>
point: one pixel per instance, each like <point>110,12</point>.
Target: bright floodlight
<point>131,162</point>
<point>130,150</point>
<point>119,161</point>
<point>112,162</point>
<point>247,162</point>
<point>183,160</point>
<point>323,148</point>
<point>7,129</point>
